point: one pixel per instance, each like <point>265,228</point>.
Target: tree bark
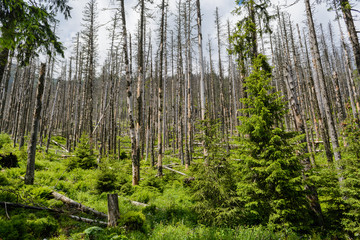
<point>349,21</point>
<point>134,156</point>
<point>30,167</point>
<point>113,210</point>
<point>160,91</point>
<point>321,80</point>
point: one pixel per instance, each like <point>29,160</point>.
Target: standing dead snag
<point>30,167</point>
<point>134,156</point>
<point>160,92</point>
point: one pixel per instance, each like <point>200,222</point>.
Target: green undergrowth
<point>172,211</point>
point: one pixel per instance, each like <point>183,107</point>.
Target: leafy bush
<point>8,161</point>
<point>84,157</point>
<point>93,233</point>
<point>4,139</point>
<point>3,180</point>
<point>127,189</point>
<point>43,227</point>
<point>123,155</point>
<point>145,194</point>
<point>133,220</point>
<point>13,229</point>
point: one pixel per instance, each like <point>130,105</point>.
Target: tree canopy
<point>27,26</point>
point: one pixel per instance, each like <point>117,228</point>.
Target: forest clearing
<point>251,132</point>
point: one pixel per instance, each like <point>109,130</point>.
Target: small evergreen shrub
<point>43,227</point>
<point>133,221</point>
<point>93,233</point>
<point>84,157</point>
<point>42,193</point>
<point>106,181</point>
<point>351,175</point>
<point>123,155</point>
<point>127,189</point>
<point>214,187</point>
<point>13,229</point>
<point>8,161</point>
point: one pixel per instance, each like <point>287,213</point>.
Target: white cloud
<point>68,29</point>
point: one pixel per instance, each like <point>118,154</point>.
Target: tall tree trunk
<point>349,21</point>
<point>321,80</point>
<point>30,167</point>
<point>202,81</point>
<point>139,91</point>
<point>134,156</point>
<point>160,91</point>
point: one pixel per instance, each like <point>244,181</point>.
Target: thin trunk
<point>30,167</point>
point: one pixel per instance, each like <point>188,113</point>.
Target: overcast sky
<point>68,29</point>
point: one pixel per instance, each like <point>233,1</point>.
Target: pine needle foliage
<point>351,176</point>
<point>214,187</point>
<point>270,186</point>
<point>84,157</point>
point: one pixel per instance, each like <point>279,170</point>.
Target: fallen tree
<point>19,205</point>
<point>77,205</point>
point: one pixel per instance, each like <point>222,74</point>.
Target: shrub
<point>93,232</point>
<point>106,181</point>
<point>4,139</point>
<point>145,194</point>
<point>8,161</point>
<point>3,180</point>
<point>351,175</point>
<point>41,228</point>
<point>123,155</point>
<point>133,220</point>
<point>84,157</point>
<point>14,229</point>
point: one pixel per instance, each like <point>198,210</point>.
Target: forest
<point>253,133</point>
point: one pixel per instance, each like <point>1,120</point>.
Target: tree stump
<point>113,210</point>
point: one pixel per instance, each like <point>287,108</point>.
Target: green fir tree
<point>270,186</point>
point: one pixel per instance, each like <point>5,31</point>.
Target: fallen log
<point>168,168</point>
<point>77,205</point>
<point>61,146</point>
<point>10,204</point>
<point>135,203</point>
<point>87,220</point>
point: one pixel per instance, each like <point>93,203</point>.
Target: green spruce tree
<point>271,188</point>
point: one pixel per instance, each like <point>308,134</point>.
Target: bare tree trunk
<point>134,156</point>
<point>349,21</point>
<point>30,167</point>
<point>202,81</point>
<point>52,117</point>
<point>321,80</point>
<point>160,91</point>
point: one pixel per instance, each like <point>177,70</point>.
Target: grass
<point>168,216</point>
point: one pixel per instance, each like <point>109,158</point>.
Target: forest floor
<point>168,213</point>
